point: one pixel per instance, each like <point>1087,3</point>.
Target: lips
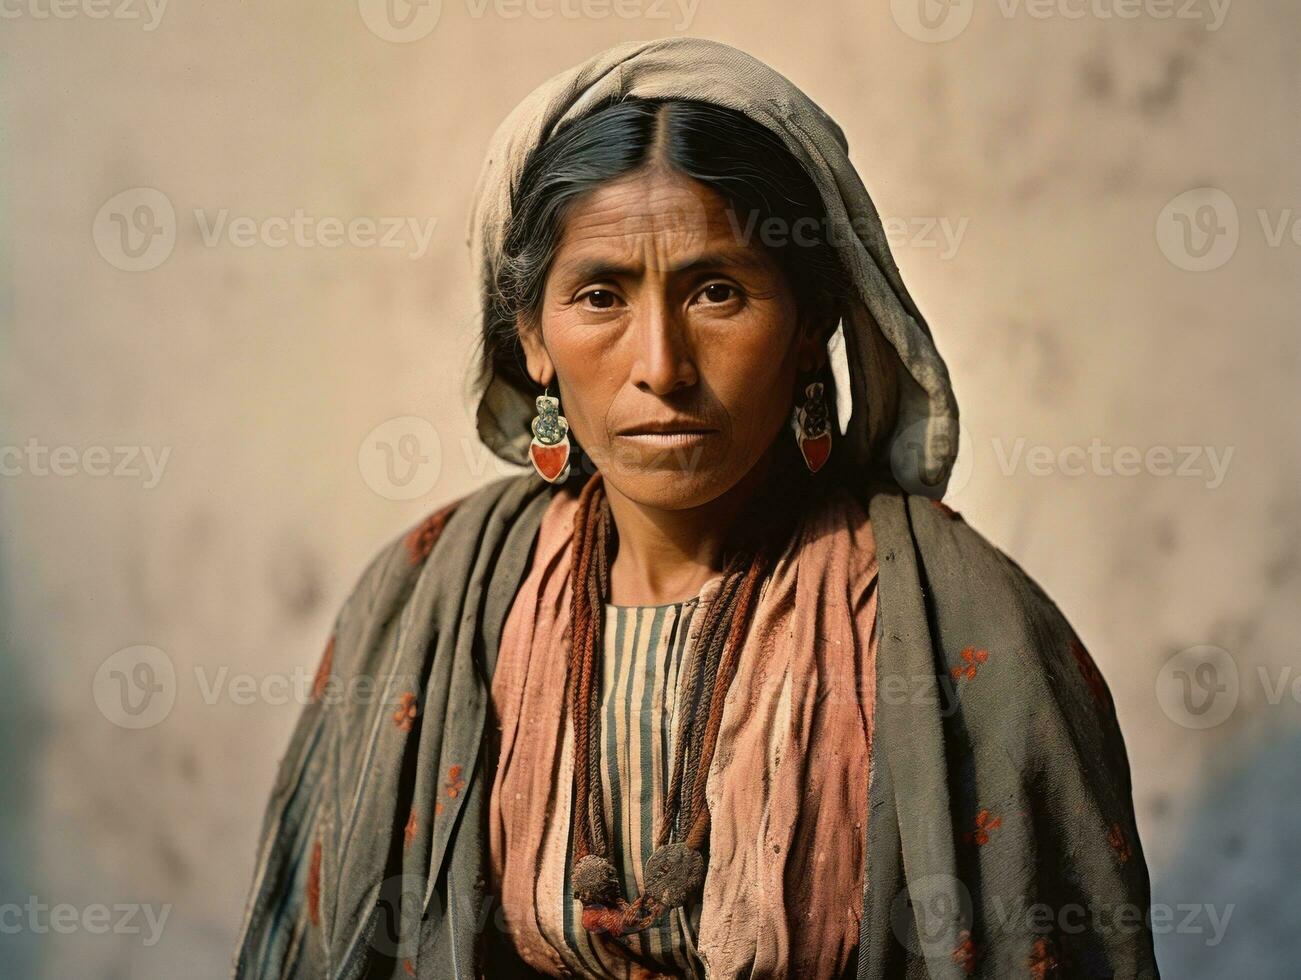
<point>668,428</point>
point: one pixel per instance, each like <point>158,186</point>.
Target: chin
<point>670,488</point>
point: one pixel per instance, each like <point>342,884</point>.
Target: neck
<point>668,555</point>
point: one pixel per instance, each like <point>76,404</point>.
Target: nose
<point>664,360</point>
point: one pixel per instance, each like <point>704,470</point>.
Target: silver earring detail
<point>812,431</point>
<point>549,450</point>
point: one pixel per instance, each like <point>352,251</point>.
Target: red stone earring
<point>549,450</point>
<point>812,432</point>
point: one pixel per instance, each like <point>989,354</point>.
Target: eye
<point>599,299</point>
<point>719,292</point>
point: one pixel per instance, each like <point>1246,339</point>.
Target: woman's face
<point>656,312</point>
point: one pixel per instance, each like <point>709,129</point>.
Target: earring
<point>549,449</point>
<point>812,432</point>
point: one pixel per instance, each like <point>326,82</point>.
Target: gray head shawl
<point>924,439</point>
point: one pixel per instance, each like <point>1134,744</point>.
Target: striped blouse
<point>788,796</point>
<point>645,648</point>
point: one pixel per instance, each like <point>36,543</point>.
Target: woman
<point>720,688</point>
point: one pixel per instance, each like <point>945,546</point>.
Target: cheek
<point>754,387</point>
<point>752,370</point>
<point>585,364</point>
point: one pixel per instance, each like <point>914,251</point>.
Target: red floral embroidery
<point>985,823</point>
<point>421,539</point>
<point>407,711</point>
<point>946,510</point>
<point>1042,961</point>
<point>454,782</point>
<point>409,967</point>
<point>438,807</point>
<point>409,832</point>
<point>973,658</point>
<point>966,953</point>
<point>323,671</point>
<point>314,885</point>
<point>1092,676</point>
<point>1116,838</point>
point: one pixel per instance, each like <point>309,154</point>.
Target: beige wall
<point>1048,147</point>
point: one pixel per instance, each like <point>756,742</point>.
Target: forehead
<point>651,216</point>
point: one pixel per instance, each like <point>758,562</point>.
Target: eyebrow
<point>588,270</point>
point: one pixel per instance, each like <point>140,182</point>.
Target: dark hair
<point>761,181</point>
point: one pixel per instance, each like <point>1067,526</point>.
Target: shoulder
<point>999,640</point>
<point>985,691</point>
<point>969,577</point>
<point>437,550</point>
<point>954,554</point>
<point>458,521</point>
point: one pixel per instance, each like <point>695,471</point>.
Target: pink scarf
<point>787,787</point>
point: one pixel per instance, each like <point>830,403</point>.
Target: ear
<point>815,331</point>
<point>536,358</point>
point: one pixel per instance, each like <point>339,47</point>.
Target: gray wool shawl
<point>1000,838</point>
